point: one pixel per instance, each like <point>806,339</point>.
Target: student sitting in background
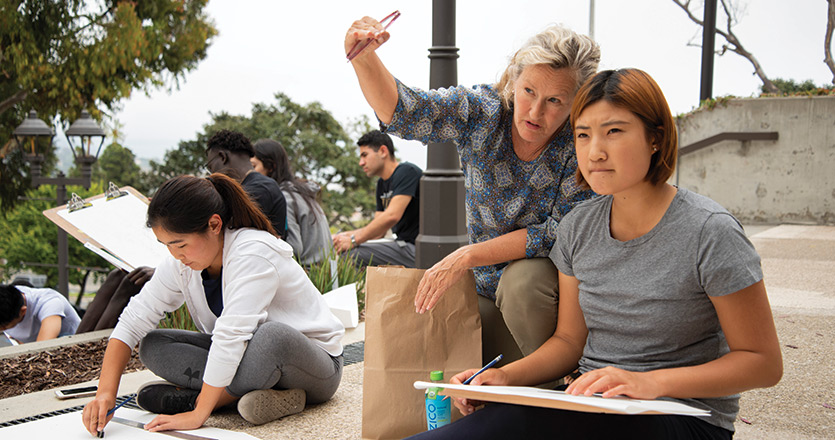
<point>398,207</point>
<point>229,152</point>
<point>307,227</point>
<point>28,314</point>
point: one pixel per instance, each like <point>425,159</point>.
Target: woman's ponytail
<point>184,205</point>
<point>243,212</point>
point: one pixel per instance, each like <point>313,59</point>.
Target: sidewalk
<point>799,267</point>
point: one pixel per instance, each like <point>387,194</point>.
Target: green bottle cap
<point>436,375</point>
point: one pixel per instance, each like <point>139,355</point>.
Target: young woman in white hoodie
<point>266,339</point>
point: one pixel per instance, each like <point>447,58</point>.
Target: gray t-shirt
<point>307,229</point>
<point>41,304</point>
<point>645,301</point>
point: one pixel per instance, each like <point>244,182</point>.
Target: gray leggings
<point>278,356</point>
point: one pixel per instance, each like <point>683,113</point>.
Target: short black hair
<point>11,301</point>
<point>375,139</point>
<point>231,141</point>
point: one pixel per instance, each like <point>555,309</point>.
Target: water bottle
<point>437,407</point>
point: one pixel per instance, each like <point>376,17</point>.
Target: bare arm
<point>50,327</point>
<point>754,359</point>
<point>560,354</point>
<point>557,357</point>
<point>116,358</point>
<point>445,273</point>
<point>383,221</point>
<point>377,84</point>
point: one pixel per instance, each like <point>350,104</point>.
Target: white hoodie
<point>261,282</point>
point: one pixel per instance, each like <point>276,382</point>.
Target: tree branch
<point>12,100</point>
<point>734,44</point>
<point>827,39</point>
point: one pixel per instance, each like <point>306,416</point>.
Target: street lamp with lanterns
<point>86,130</point>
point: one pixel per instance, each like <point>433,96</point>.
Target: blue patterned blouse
<point>503,192</point>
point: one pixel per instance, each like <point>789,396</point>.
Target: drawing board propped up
<point>113,226</point>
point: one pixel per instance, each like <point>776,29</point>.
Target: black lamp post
<point>442,219</point>
<point>85,129</point>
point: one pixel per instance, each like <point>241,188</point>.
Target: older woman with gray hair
<point>517,153</point>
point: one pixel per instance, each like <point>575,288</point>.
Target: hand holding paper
<point>611,382</point>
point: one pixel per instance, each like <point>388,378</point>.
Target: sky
<point>268,46</point>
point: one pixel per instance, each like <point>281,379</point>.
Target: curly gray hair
<point>557,47</point>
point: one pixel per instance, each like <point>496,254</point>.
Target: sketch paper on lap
<point>560,400</point>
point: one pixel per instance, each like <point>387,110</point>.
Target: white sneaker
<point>263,406</point>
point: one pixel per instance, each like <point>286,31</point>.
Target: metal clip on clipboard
<point>113,191</point>
<point>77,203</point>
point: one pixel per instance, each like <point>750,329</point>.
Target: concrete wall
<point>791,180</point>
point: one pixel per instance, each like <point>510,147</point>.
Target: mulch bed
<point>59,367</point>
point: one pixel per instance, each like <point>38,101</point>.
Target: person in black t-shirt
<point>398,189</point>
<point>228,152</point>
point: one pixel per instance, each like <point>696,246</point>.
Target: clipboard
<point>113,226</point>
<point>560,400</point>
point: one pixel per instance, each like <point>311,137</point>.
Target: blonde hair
<point>556,47</point>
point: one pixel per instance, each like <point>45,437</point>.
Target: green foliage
<point>28,236</point>
<point>117,164</point>
<point>188,158</point>
<point>712,103</point>
<point>347,272</point>
<point>320,150</point>
<point>60,57</point>
<point>178,319</point>
<point>792,87</point>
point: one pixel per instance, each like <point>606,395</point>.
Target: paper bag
<point>402,346</point>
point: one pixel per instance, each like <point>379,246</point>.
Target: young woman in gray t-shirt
<point>661,293</point>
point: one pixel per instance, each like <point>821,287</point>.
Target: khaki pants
<point>524,314</point>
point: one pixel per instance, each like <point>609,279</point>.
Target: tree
<point>29,237</point>
<point>188,158</point>
<point>320,150</point>
<point>62,56</point>
<point>117,164</point>
<point>732,42</point>
<point>827,39</point>
<point>792,87</point>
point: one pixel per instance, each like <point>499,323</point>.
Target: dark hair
<point>274,157</point>
<point>185,204</point>
<point>634,90</point>
<point>375,139</point>
<point>11,301</point>
<point>232,141</point>
<point>21,282</point>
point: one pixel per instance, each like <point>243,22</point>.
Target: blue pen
<point>119,406</point>
<point>100,434</point>
<point>489,364</point>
